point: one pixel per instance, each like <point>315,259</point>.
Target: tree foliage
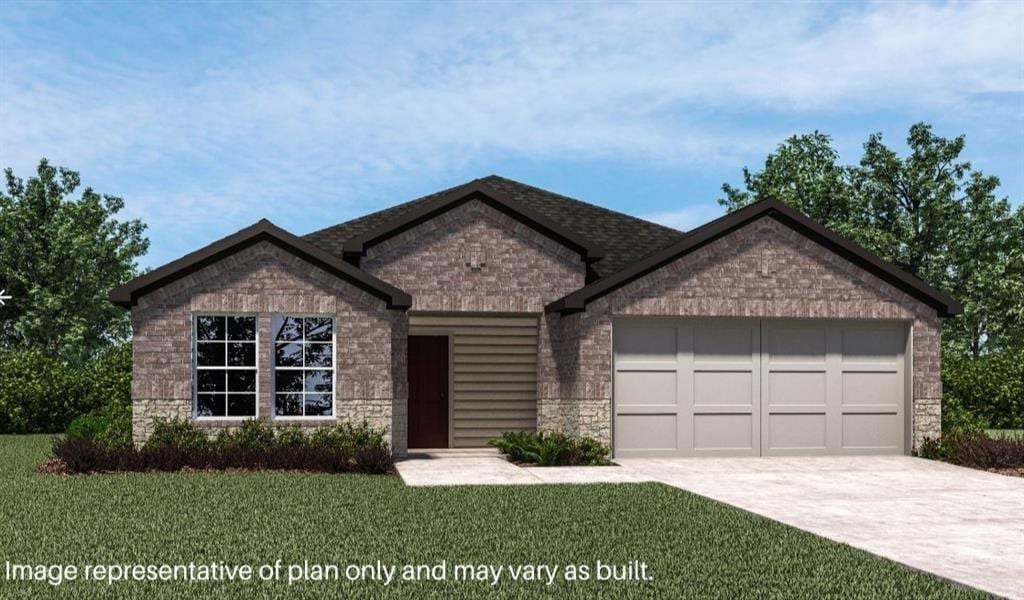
<point>40,393</point>
<point>990,388</point>
<point>59,258</point>
<point>929,212</point>
<point>804,173</point>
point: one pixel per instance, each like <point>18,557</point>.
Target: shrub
<point>932,449</point>
<point>519,446</point>
<point>588,451</point>
<point>991,387</point>
<point>110,426</point>
<point>176,444</point>
<point>374,460</point>
<point>42,394</point>
<point>179,433</point>
<point>163,458</point>
<point>550,449</point>
<point>976,451</point>
<point>81,455</point>
<point>347,438</point>
<point>958,420</point>
<point>118,431</point>
<point>982,452</point>
<point>87,427</point>
<point>291,437</point>
<point>252,437</point>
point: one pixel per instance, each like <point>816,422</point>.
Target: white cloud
<point>687,217</point>
<point>538,80</point>
<point>332,100</point>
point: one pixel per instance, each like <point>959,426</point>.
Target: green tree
<point>928,212</point>
<point>59,258</point>
<point>805,174</point>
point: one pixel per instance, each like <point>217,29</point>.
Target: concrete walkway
<point>494,470</point>
<point>960,524</point>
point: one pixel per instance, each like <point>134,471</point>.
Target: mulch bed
<point>52,466</point>
<point>1012,472</point>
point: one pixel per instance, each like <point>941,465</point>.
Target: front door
<point>428,391</point>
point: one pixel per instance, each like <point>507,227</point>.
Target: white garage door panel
<point>866,432</point>
<point>633,388</point>
<point>719,396</point>
<point>715,433</point>
<point>728,387</point>
<point>795,431</point>
<point>647,433</point>
<point>650,343</point>
<point>797,388</point>
<point>878,388</point>
<point>795,382</point>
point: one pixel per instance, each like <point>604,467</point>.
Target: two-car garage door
<point>731,387</point>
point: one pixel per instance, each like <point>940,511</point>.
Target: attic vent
<point>475,260</point>
<point>768,267</point>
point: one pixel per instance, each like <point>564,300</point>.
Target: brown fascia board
<point>128,294</point>
<point>709,232</point>
<point>356,247</point>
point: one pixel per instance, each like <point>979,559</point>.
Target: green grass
<point>1005,434</point>
<point>695,547</point>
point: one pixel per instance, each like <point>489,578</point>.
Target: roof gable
<point>127,295</point>
<point>697,238</point>
<point>355,247</point>
<point>623,238</point>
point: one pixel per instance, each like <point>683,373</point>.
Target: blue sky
<point>207,117</point>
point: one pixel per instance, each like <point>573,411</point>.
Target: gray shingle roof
<point>625,239</point>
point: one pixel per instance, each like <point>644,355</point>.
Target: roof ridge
<point>391,207</point>
<point>475,189</point>
<point>590,204</point>
<point>787,215</point>
<point>623,237</point>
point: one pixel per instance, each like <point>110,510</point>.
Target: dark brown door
<point>428,391</point>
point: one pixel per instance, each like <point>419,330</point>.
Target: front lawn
<point>694,547</point>
<point>1005,434</point>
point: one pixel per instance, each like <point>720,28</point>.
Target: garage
<point>759,387</point>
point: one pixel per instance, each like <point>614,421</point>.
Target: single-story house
<point>496,306</point>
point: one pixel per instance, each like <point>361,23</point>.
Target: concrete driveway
<point>961,524</point>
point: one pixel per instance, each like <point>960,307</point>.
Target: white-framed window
<point>225,373</point>
<point>303,356</point>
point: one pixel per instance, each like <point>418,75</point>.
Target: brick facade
<point>264,280</point>
<point>512,268</point>
<point>762,270</point>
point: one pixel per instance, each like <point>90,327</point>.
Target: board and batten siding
<point>493,373</point>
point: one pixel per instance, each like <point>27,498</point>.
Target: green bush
<point>957,419</point>
<point>118,431</point>
<point>86,427</point>
<point>178,433</point>
<point>519,446</point>
<point>110,426</point>
<point>991,388</point>
<point>41,394</point>
<point>253,436</point>
<point>291,437</point>
<point>347,438</point>
<point>549,449</point>
<point>176,444</point>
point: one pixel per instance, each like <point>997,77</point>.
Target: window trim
<point>334,368</point>
<point>195,364</point>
